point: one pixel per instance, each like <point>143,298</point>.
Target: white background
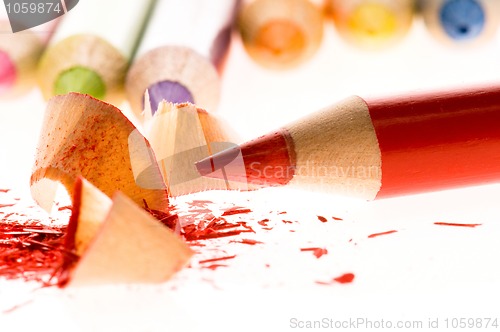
<point>423,271</point>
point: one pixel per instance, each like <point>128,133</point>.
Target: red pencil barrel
<point>435,141</point>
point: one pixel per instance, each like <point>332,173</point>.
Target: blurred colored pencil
<point>92,48</point>
<point>19,56</point>
<point>184,45</point>
<point>461,22</point>
<point>372,24</point>
<point>281,33</point>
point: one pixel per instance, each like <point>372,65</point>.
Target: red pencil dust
<point>251,242</point>
<point>236,210</point>
<point>263,222</point>
<point>345,278</point>
<point>378,148</point>
<point>318,252</point>
<point>371,236</point>
<point>456,224</point>
<point>33,252</point>
<point>200,203</point>
<point>217,259</point>
<point>213,267</point>
<point>216,228</point>
<point>322,219</point>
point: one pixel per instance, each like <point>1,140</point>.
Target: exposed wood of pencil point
<point>82,136</point>
<point>324,152</point>
<point>84,51</point>
<point>119,242</point>
<point>90,208</point>
<point>183,134</point>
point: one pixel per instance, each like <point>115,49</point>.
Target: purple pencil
<point>181,54</point>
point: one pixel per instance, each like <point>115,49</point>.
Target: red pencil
<point>376,148</point>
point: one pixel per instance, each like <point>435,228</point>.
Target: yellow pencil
<point>372,24</point>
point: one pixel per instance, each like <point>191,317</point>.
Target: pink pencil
<point>19,55</point>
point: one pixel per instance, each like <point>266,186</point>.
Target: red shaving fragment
<point>286,221</point>
<point>323,282</point>
<point>216,259</point>
<point>371,236</point>
<point>4,190</point>
<point>167,218</point>
<point>337,218</point>
<point>282,212</point>
<point>263,222</point>
<point>216,228</point>
<point>322,219</point>
<point>267,228</point>
<point>343,279</point>
<point>17,306</point>
<point>212,235</point>
<point>456,224</point>
<point>318,252</point>
<point>236,210</point>
<point>214,266</point>
<point>247,241</point>
<point>199,211</point>
<point>200,203</point>
<point>197,244</point>
<point>67,207</point>
<point>5,205</point>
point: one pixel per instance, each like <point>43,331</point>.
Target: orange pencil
<point>281,33</point>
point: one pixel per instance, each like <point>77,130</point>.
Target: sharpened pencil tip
<point>217,161</point>
<point>265,161</point>
<point>170,91</point>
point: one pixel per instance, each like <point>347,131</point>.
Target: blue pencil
<point>461,21</point>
